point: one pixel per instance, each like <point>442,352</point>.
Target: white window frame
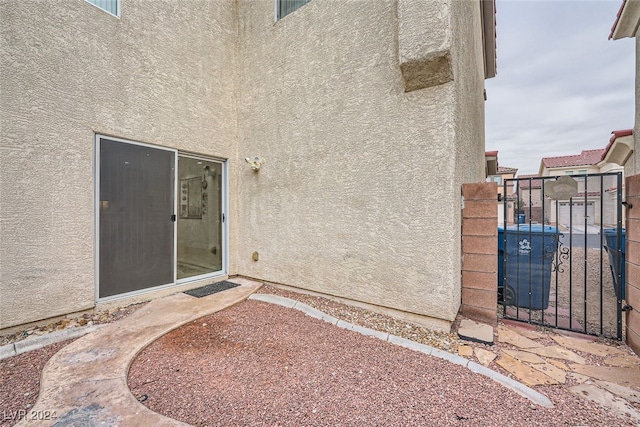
<point>118,7</point>
<point>277,10</point>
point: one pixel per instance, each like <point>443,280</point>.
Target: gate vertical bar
<point>619,258</point>
<point>586,234</point>
<point>570,262</point>
<point>601,254</point>
<point>505,214</point>
<point>558,261</point>
<point>517,279</point>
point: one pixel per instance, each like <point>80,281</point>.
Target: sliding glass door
<point>160,217</point>
<point>199,216</point>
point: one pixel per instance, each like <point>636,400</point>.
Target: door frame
<point>224,219</point>
<point>96,232</point>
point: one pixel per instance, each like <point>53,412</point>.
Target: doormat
<point>211,289</point>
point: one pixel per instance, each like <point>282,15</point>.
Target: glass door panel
<point>199,217</point>
<point>136,207</point>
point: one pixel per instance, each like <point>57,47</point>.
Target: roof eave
<point>619,151</point>
<point>488,16</point>
<point>627,21</point>
<point>491,162</point>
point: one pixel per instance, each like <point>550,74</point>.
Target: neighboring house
<point>500,177</point>
<point>529,192</point>
<point>587,201</point>
<point>125,125</point>
<point>502,174</point>
<point>491,159</point>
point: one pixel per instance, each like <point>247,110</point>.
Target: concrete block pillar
<point>480,252</point>
<point>632,188</point>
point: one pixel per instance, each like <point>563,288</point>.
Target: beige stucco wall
<point>359,195</point>
<point>161,74</point>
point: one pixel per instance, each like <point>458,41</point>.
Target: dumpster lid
<point>613,231</point>
<point>533,228</point>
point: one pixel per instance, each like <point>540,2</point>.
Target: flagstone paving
<point>465,351</point>
<point>623,361</point>
<point>628,377</point>
<point>559,364</point>
<point>548,369</point>
<point>524,373</point>
<point>511,337</point>
<point>524,356</point>
<point>485,357</point>
<point>605,399</point>
<point>557,352</point>
<point>587,346</point>
<point>605,374</point>
<point>474,331</point>
<point>629,394</point>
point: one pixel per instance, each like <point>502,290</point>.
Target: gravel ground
<point>261,364</point>
<point>99,317</point>
<point>20,380</point>
<point>380,322</point>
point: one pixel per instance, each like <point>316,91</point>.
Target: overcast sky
<point>562,86</point>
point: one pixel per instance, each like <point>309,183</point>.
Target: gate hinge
<point>626,307</point>
<point>627,204</point>
<point>499,197</point>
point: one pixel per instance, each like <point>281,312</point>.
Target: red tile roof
<point>614,135</point>
<point>525,184</point>
<point>587,157</point>
<point>620,134</point>
<point>589,194</point>
<point>506,169</point>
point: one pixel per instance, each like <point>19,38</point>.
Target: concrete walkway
<point>85,383</point>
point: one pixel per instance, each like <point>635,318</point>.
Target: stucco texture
<point>160,74</point>
<point>359,195</point>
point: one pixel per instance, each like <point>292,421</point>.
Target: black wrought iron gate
<point>561,251</point>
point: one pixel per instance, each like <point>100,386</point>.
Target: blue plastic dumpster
<point>611,235</point>
<point>522,218</point>
<point>529,251</point>
<point>500,263</point>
